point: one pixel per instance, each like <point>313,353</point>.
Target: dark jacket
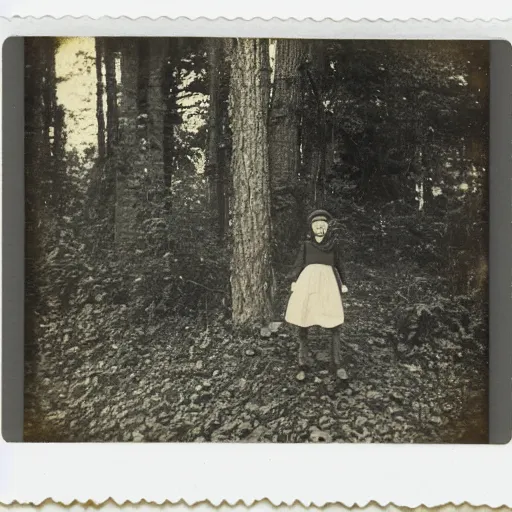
<point>309,254</point>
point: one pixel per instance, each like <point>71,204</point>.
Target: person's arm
<point>340,267</point>
<point>298,265</point>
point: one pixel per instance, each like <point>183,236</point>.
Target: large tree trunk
<point>216,157</point>
<point>284,143</point>
<point>251,280</point>
<point>100,117</point>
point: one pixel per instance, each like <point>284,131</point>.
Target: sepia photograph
<point>234,240</point>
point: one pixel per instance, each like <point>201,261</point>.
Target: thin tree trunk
<point>33,200</point>
<point>225,181</point>
<point>284,143</point>
<point>212,153</point>
<point>216,161</point>
<point>59,138</point>
<point>152,54</point>
<point>59,153</point>
<point>170,114</point>
<point>158,54</point>
<point>143,71</point>
<point>111,168</point>
<point>100,116</point>
<point>251,274</point>
<point>111,86</point>
<point>314,130</point>
<point>126,228</point>
<point>48,94</point>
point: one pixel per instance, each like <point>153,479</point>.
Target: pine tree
<point>251,275</point>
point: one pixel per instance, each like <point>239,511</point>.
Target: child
<point>319,282</point>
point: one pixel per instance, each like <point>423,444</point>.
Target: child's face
<point>319,227</point>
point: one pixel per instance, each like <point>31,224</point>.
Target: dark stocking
<point>304,359</point>
<point>335,347</point>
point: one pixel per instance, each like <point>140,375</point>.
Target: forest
<point>157,250</point>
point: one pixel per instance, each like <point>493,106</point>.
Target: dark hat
<point>319,215</point>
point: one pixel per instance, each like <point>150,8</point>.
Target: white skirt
<point>315,299</point>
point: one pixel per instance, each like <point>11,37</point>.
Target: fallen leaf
<point>274,326</point>
<point>319,436</point>
<point>342,374</point>
<point>265,332</point>
<point>360,421</point>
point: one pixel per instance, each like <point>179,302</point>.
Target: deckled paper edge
<point>264,501</point>
<point>241,502</point>
<point>258,19</point>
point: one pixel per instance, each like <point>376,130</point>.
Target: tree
<point>216,161</point>
<point>158,54</point>
<point>284,143</point>
<point>45,174</point>
<point>35,138</point>
<point>314,122</point>
<point>111,89</point>
<point>152,53</point>
<point>146,137</point>
<point>251,274</point>
<point>100,117</point>
<point>125,180</point>
<point>107,142</point>
<point>397,107</point>
<point>170,114</point>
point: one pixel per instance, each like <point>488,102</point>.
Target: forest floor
<point>96,379</point>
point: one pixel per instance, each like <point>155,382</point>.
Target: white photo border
<point>405,475</point>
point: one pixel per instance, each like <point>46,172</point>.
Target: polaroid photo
<point>256,260</point>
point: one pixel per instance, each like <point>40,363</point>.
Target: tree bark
<point>284,143</point>
<point>100,116</point>
<point>251,274</point>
